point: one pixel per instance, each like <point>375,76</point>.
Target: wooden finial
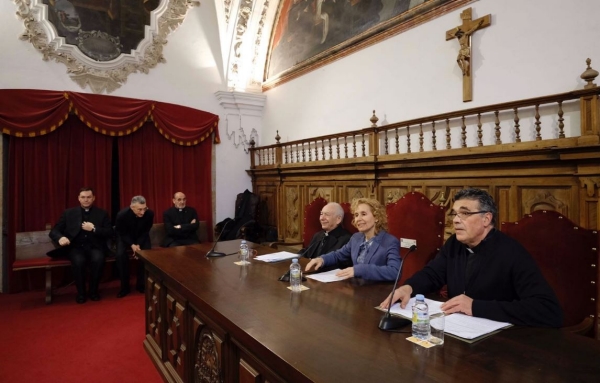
<point>589,75</point>
<point>374,120</point>
<point>277,138</point>
<point>252,142</point>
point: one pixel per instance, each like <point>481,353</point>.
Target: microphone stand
<point>286,277</point>
<point>212,253</point>
<point>389,322</point>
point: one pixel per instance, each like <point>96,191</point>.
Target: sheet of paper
<point>328,276</point>
<point>469,327</point>
<point>434,308</point>
<point>276,257</point>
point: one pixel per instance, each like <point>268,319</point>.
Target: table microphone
<point>212,252</point>
<point>389,322</point>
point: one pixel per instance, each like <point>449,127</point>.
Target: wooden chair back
<point>415,217</point>
<point>312,224</point>
<point>568,257</point>
<point>348,218</point>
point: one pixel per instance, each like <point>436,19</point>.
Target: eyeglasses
<point>465,214</point>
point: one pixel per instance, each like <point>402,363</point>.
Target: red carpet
<point>67,342</point>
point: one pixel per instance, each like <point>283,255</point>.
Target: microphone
<point>286,277</point>
<point>212,252</point>
<point>389,322</point>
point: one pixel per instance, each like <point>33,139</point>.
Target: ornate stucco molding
<point>102,76</point>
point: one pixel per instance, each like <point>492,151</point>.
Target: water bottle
<point>420,318</point>
<point>295,275</point>
<point>244,251</point>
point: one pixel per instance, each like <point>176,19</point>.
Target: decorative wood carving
<point>176,347</point>
<point>153,314</point>
<point>292,211</point>
<point>545,201</point>
<point>590,184</point>
<point>323,192</point>
<point>207,364</point>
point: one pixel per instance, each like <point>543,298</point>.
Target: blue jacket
<point>382,260</point>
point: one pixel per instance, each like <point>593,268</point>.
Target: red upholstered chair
<point>312,224</point>
<point>348,218</point>
<point>414,216</point>
<point>568,257</point>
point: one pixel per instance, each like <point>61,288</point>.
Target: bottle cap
<point>420,297</point>
<point>295,260</point>
<point>243,241</point>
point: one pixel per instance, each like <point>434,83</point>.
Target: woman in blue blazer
<point>375,253</point>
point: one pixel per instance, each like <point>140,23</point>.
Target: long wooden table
<point>208,319</point>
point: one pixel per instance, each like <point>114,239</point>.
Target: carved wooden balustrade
<point>530,154</point>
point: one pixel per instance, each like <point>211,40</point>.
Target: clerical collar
<point>180,209</point>
<point>481,244</point>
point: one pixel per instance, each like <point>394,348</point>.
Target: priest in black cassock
<point>332,237</point>
<point>181,223</point>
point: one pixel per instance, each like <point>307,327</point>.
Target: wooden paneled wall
<point>559,173</point>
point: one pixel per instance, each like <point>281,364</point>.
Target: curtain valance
<point>31,113</point>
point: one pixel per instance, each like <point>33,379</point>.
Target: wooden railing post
<point>278,151</point>
<point>252,154</point>
<point>590,109</point>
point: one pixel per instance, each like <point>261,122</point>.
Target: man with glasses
<point>133,226</point>
<point>488,274</point>
<point>332,237</point>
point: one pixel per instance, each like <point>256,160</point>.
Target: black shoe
<point>140,289</point>
<point>80,299</point>
<point>95,297</point>
<point>122,293</point>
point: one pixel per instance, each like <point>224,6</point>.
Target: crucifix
<point>463,33</point>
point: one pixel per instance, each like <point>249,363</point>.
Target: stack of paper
<point>276,257</point>
<point>460,326</point>
<point>328,276</point>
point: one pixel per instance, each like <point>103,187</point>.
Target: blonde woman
<point>373,251</point>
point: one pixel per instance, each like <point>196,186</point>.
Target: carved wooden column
<point>590,109</point>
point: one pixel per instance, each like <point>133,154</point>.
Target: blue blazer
<point>382,260</point>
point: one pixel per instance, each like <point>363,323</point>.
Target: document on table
<point>327,276</point>
<point>469,328</point>
<point>276,257</point>
<point>461,326</point>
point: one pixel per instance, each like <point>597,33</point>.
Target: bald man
<point>181,223</point>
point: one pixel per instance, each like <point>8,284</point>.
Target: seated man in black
<point>489,274</point>
<point>181,223</point>
<point>133,226</point>
<point>332,237</point>
<point>83,231</point>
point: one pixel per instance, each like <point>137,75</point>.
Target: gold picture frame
<point>94,57</point>
<point>306,35</point>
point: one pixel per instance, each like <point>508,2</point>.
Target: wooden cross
<point>463,33</point>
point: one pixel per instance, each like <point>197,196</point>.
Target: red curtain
<point>153,167</point>
<point>47,170</point>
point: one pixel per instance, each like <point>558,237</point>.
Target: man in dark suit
<point>332,237</point>
<point>181,223</point>
<point>82,232</point>
<point>133,226</point>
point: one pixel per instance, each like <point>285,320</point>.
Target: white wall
<point>191,76</point>
<point>533,48</point>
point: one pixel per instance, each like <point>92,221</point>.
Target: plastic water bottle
<point>420,318</point>
<point>244,251</point>
<point>295,275</point>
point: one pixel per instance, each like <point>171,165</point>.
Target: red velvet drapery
<point>157,171</point>
<point>46,170</point>
<point>30,113</point>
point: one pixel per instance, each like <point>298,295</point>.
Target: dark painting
<point>101,29</point>
<point>306,30</point>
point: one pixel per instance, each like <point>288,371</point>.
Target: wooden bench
<point>32,246</point>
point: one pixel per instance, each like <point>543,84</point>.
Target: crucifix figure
<point>463,33</point>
